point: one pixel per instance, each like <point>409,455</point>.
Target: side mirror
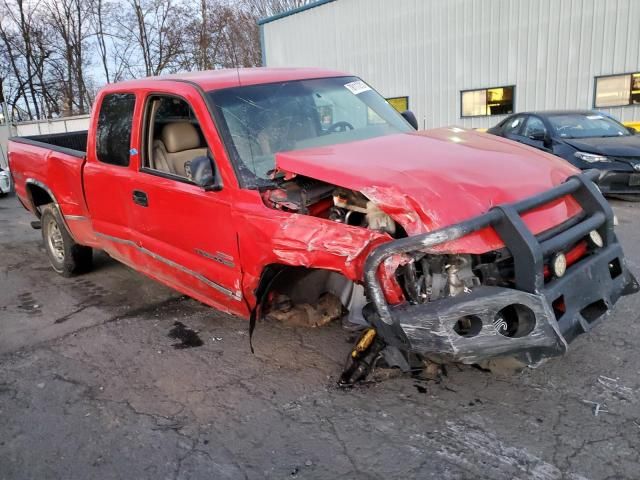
<point>632,130</point>
<point>200,171</point>
<point>410,118</point>
<point>538,136</point>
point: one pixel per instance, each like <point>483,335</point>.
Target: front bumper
<point>550,314</point>
<point>618,182</point>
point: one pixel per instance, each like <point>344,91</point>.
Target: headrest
<point>178,137</point>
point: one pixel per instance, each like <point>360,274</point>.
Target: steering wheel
<point>339,127</point>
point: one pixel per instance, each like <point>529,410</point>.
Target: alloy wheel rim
<point>56,243</point>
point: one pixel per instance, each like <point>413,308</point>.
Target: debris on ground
<point>503,366</point>
<point>614,386</point>
<point>327,309</point>
<point>188,338</point>
<point>597,407</point>
<point>420,388</point>
<point>433,370</point>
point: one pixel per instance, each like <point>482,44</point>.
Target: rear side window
<point>113,138</point>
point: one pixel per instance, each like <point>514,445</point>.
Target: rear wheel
<point>66,256</point>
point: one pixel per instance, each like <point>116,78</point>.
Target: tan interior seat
<point>179,143</point>
<point>160,157</point>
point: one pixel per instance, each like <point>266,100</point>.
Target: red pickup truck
<point>262,189</point>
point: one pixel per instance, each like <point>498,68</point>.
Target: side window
<point>113,137</point>
<point>534,128</point>
<point>617,90</point>
<point>513,125</point>
<point>173,136</point>
<point>487,101</point>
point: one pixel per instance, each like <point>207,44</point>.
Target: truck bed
<point>71,143</point>
<point>48,168</point>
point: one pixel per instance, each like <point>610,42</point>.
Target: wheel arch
<point>301,283</point>
<point>39,195</point>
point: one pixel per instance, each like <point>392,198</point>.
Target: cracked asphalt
<point>91,387</point>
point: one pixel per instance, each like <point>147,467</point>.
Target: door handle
<point>140,198</point>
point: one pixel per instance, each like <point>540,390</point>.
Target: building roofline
<point>293,11</point>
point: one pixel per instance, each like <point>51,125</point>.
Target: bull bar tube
<point>587,290</point>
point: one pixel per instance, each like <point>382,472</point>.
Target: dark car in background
<point>588,140</point>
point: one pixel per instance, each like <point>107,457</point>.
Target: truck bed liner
<point>71,143</point>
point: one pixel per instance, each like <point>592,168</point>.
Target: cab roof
<point>225,78</point>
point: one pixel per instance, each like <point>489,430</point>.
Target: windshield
<point>583,126</point>
<point>259,121</point>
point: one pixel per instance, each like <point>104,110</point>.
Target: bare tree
<point>55,54</point>
<point>155,27</point>
<point>69,24</point>
<point>16,33</point>
<point>242,41</point>
<point>22,33</point>
<point>98,13</point>
<point>266,8</point>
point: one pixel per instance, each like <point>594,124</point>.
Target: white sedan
<point>5,182</point>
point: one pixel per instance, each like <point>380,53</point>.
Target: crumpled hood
<point>433,179</point>
<point>627,146</point>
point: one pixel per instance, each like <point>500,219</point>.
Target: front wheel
<point>66,256</point>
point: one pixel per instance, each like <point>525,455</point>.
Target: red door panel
<point>107,174</point>
<point>188,235</point>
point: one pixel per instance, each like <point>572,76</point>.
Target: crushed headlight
<point>591,157</point>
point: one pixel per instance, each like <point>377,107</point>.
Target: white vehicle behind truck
<point>5,182</point>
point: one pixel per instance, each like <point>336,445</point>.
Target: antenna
<point>235,58</point>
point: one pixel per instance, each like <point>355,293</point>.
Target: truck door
<point>108,171</point>
<point>186,232</point>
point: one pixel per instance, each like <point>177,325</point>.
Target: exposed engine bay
<point>423,278</point>
<point>312,197</point>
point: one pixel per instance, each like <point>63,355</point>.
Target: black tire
<point>627,198</point>
<point>66,256</point>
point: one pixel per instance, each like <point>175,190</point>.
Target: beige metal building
<point>470,62</point>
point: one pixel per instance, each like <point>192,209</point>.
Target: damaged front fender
<point>296,240</point>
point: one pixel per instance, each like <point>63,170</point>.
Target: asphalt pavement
<point>92,385</point>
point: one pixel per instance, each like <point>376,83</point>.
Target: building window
<point>401,104</point>
<point>487,101</point>
<point>617,90</point>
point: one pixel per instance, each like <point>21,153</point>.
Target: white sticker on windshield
<point>357,87</point>
<point>595,117</point>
